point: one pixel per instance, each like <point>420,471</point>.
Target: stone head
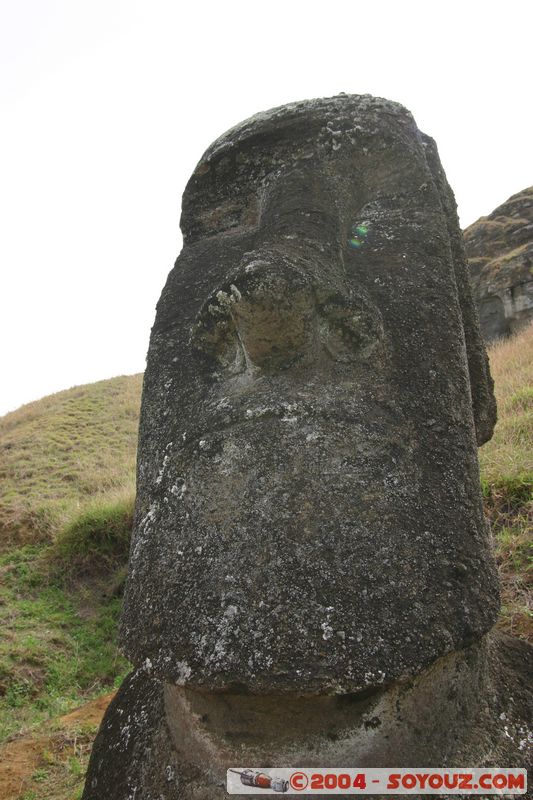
<point>309,516</point>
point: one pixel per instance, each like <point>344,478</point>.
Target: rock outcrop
<point>311,576</point>
<point>500,254</point>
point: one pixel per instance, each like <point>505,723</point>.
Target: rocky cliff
<point>500,252</point>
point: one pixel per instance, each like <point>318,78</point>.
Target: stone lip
<point>337,542</point>
<point>471,708</point>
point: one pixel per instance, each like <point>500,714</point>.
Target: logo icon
<point>251,777</point>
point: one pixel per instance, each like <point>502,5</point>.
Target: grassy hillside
<point>60,452</point>
<point>67,479</point>
<point>507,459</point>
<point>66,506</point>
<point>506,464</point>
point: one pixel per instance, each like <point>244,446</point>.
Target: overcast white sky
<point>107,105</point>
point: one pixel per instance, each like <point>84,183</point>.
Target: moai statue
<point>311,576</point>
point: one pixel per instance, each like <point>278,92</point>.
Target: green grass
<point>58,647</point>
<point>66,504</point>
<point>515,560</point>
<point>97,538</point>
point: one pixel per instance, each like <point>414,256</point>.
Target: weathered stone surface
<point>132,756</point>
<point>500,254</point>
<point>309,517</point>
<point>470,708</point>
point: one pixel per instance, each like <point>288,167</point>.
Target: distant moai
<point>311,576</point>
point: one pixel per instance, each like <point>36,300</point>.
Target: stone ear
<point>481,383</point>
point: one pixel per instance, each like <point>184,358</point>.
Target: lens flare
<point>358,235</point>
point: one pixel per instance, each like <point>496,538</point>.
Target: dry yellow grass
<point>507,477</point>
<point>509,454</point>
<point>61,452</point>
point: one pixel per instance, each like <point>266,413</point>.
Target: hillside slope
<point>58,453</point>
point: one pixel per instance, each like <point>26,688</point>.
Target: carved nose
<point>272,315</point>
<point>274,312</point>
